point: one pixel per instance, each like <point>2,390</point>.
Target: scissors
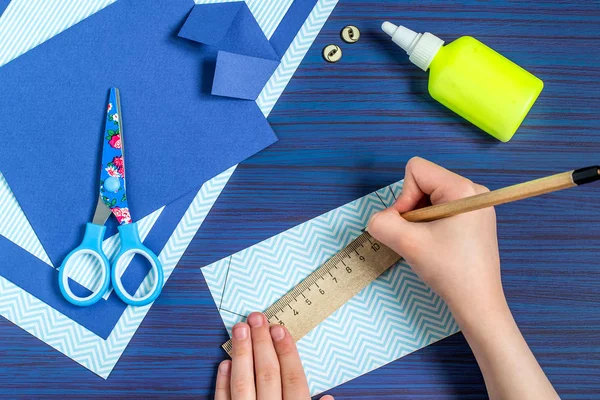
<point>112,200</point>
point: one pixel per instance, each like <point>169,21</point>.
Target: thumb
<point>405,238</point>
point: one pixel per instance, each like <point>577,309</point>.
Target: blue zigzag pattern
<point>24,25</point>
<point>393,316</point>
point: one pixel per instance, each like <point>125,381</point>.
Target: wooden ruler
<point>330,286</point>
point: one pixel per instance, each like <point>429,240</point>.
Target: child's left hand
<point>265,365</point>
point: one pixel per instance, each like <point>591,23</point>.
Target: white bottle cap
<point>421,47</point>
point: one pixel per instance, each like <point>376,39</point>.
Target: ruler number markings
<point>347,258</point>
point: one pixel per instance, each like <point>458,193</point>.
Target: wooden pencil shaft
<point>505,195</point>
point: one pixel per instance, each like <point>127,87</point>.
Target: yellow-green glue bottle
<point>474,81</point>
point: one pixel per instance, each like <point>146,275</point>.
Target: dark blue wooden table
<point>347,129</point>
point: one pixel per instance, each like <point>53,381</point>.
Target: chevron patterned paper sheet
<point>392,317</point>
<point>25,25</point>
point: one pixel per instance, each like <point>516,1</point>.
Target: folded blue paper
<point>246,59</point>
<point>240,76</point>
<point>176,134</point>
<point>228,27</point>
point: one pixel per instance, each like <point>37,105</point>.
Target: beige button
<point>332,53</point>
<point>350,34</point>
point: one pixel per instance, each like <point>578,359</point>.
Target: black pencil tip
<point>586,175</point>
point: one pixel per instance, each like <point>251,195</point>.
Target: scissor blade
<point>112,171</point>
<point>102,212</point>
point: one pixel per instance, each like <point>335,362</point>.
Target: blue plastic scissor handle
<point>132,244</point>
<point>92,245</point>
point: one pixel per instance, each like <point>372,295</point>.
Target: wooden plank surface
<point>347,129</point>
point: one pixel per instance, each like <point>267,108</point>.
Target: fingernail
<point>224,368</point>
<point>240,331</point>
<point>255,320</point>
<point>277,332</point>
<point>372,219</point>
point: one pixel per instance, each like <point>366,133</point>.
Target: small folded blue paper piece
<point>246,59</point>
<point>177,135</point>
<point>240,76</point>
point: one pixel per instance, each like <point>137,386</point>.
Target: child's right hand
<point>457,256</point>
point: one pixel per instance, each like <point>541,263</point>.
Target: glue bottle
<point>474,81</point>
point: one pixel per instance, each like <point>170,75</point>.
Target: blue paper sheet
<point>177,135</point>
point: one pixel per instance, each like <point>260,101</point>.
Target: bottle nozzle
<point>389,28</point>
<point>402,36</point>
<point>420,47</point>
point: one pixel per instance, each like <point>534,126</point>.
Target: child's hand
<point>457,256</point>
<point>265,365</point>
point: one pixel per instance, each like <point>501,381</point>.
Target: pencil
<point>508,194</point>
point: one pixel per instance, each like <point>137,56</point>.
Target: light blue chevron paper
<point>395,315</point>
<point>26,24</point>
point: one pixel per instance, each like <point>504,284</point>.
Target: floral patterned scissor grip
<point>112,200</point>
